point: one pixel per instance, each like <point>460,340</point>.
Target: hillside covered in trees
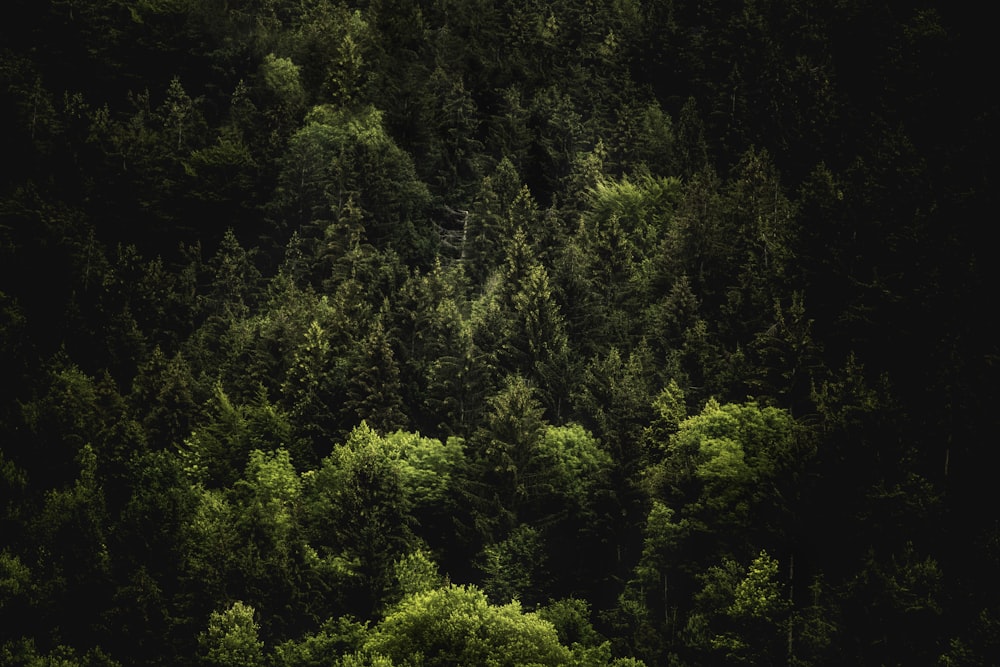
<point>404,333</point>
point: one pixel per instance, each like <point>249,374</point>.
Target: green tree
<point>514,567</point>
<point>698,241</point>
<point>435,346</point>
<point>790,360</point>
<point>457,625</point>
<point>212,549</point>
<point>458,375</point>
<point>488,224</point>
<point>574,509</point>
<point>622,226</point>
<point>505,453</point>
<point>766,239</point>
<point>416,573</point>
<point>454,153</point>
<point>732,459</point>
<point>648,141</point>
<point>740,614</point>
<point>358,512</point>
<point>73,562</point>
<point>342,156</point>
<point>283,95</point>
<point>427,466</point>
<point>509,132</point>
<point>670,410</point>
<point>217,451</point>
<point>148,539</point>
<point>561,135</point>
<point>313,386</point>
<point>223,175</point>
<point>518,323</point>
<point>332,44</point>
<point>235,280</point>
<point>278,569</point>
<point>230,639</point>
<point>335,638</point>
<point>24,653</point>
<point>374,392</point>
<point>729,480</point>
<point>179,116</point>
<point>613,400</point>
<point>692,148</point>
<point>577,464</point>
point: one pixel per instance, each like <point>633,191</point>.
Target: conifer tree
<point>374,393</point>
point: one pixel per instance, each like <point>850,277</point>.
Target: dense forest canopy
<point>497,332</point>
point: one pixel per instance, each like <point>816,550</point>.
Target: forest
<point>496,333</point>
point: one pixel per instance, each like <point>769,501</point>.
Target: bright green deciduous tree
<point>457,625</point>
<point>358,509</point>
<point>231,638</point>
<point>727,483</point>
<point>427,466</point>
<point>734,459</point>
<point>576,462</point>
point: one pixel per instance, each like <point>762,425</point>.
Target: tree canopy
<point>413,332</point>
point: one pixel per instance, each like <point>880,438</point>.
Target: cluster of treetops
<point>496,332</point>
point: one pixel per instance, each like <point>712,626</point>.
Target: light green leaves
<point>231,638</point>
<point>426,465</point>
<point>456,625</point>
<point>758,595</point>
<point>740,613</point>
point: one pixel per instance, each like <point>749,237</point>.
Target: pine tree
<point>374,394</point>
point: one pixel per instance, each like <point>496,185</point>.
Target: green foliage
<point>725,485</point>
<point>374,392</point>
<point>333,43</point>
<point>457,625</point>
<point>364,659</point>
<point>505,451</point>
<point>609,308</point>
<point>337,637</point>
<point>513,566</point>
<point>281,79</point>
<point>574,461</point>
<point>341,158</point>
<point>427,466</point>
<point>213,543</point>
<point>24,653</point>
<point>670,411</point>
<point>217,452</point>
<point>740,613</point>
<point>165,389</point>
<point>231,638</point>
<point>359,509</point>
<point>614,396</point>
<point>276,489</point>
<point>416,573</point>
<point>75,576</point>
<point>734,457</point>
<point>16,581</point>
